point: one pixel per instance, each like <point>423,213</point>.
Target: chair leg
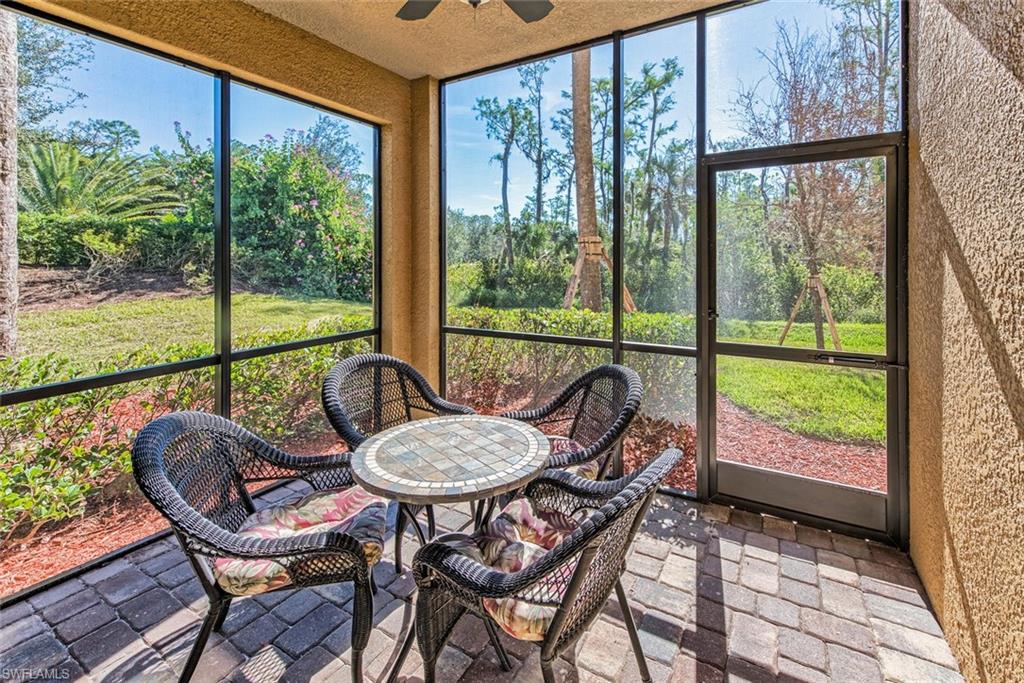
<point>373,582</point>
<point>357,666</point>
<point>428,671</point>
<point>547,671</point>
<point>362,622</point>
<point>400,523</point>
<point>213,617</point>
<point>431,525</point>
<point>634,637</point>
<point>492,633</point>
<point>223,615</point>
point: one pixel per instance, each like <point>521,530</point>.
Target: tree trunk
<point>506,216</point>
<point>538,210</point>
<point>649,174</point>
<point>586,201</point>
<point>819,324</point>
<point>8,184</point>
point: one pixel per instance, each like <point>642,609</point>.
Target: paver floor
<point>718,594</point>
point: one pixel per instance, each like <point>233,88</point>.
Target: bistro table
<point>450,459</point>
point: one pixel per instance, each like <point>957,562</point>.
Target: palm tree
<point>61,180</point>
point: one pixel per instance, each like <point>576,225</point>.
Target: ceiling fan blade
<point>530,10</point>
<point>417,9</point>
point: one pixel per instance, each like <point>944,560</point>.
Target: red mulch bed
<point>741,437</point>
<point>113,521</point>
<point>110,522</point>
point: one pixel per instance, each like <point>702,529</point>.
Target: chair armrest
<point>478,579</point>
<point>212,539</point>
<point>541,413</point>
<point>567,493</point>
<point>321,471</point>
<point>447,407</point>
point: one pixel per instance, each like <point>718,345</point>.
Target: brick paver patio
<point>718,594</point>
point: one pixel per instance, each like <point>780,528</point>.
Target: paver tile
<point>904,668</point>
<point>755,641</point>
<point>846,665</point>
<point>912,642</point>
<point>903,613</point>
<point>803,648</point>
<point>760,599</point>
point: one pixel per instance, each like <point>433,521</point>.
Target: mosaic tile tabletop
<point>450,459</point>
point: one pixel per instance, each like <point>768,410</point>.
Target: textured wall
<point>967,325</point>
<point>232,36</point>
<point>424,275</point>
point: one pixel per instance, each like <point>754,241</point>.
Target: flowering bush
<point>299,223</point>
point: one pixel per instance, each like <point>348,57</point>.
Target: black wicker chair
<point>573,579</point>
<point>591,415</point>
<point>194,468</point>
<point>368,393</point>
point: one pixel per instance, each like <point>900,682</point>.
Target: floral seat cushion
<point>353,511</point>
<point>519,536</point>
<point>587,470</point>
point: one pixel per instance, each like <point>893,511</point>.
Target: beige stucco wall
<point>966,331</point>
<point>232,36</point>
<point>426,262</point>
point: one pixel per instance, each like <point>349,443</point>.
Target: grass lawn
<point>846,404</point>
<point>855,337</point>
<point>829,402</point>
<point>92,334</point>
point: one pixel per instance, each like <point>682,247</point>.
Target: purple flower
<point>314,202</point>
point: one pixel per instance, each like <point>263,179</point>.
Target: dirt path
<point>48,289</point>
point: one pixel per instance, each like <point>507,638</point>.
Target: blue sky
<point>151,94</point>
<point>733,41</point>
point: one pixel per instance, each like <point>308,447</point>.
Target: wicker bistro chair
<point>194,468</point>
<point>368,393</point>
<point>543,569</point>
<point>587,421</point>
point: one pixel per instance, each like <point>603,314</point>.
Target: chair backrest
<point>606,536</point>
<point>191,461</point>
<point>368,393</point>
<point>606,394</point>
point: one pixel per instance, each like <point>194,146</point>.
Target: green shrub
<point>57,240</point>
<point>493,373</point>
<point>56,453</point>
<point>298,223</point>
<point>530,282</point>
<point>462,281</point>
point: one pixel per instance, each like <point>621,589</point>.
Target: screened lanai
<point>669,340</point>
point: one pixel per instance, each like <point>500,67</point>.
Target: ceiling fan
<point>527,10</point>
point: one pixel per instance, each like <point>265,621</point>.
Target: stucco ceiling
<point>455,38</point>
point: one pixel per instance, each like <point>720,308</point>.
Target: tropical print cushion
<point>587,470</point>
<point>353,511</point>
<point>514,540</point>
